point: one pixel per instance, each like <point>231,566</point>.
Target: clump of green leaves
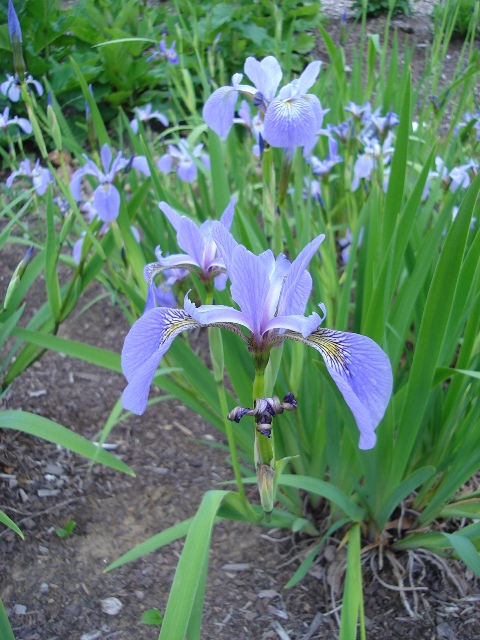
<point>65,532</point>
<point>375,8</point>
<point>152,617</point>
<point>463,13</point>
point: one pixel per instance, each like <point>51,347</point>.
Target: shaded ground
<point>53,588</point>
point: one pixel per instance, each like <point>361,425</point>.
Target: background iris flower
<point>40,176</point>
<point>6,121</point>
<point>199,246</point>
<point>291,119</point>
<point>183,158</point>
<point>271,295</point>
<point>106,198</point>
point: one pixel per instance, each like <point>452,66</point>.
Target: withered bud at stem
<point>263,412</point>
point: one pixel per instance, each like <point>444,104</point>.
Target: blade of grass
<point>190,568</point>
<point>52,432</point>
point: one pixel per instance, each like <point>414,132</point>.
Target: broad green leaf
<point>352,607</point>
<point>52,432</point>
<point>51,259</point>
<point>152,544</point>
<point>404,489</point>
<point>462,509</point>
<point>100,129</point>
<point>87,353</point>
<point>396,183</point>
<point>321,488</point>
<point>221,191</point>
<point>443,373</point>
<point>6,632</point>
<point>120,40</point>
<point>8,522</point>
<point>190,569</point>
<point>437,311</point>
<point>465,550</point>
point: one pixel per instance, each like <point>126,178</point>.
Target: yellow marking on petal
<point>330,346</point>
<point>176,322</point>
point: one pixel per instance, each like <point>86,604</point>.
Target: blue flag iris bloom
<point>271,295</point>
<point>290,119</point>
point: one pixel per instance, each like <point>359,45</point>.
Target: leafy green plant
<point>67,530</point>
<point>463,15</point>
<point>152,617</point>
<point>375,8</point>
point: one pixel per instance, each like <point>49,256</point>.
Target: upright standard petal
<point>145,345</point>
<point>265,75</point>
<point>295,274</point>
<point>309,76</point>
<point>106,157</point>
<point>227,216</point>
<point>250,286</point>
<point>191,241</point>
<point>226,244</point>
<point>362,372</point>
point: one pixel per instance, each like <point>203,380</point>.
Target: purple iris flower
<point>359,112</point>
<point>168,53</point>
<point>469,117</point>
<point>40,176</point>
<point>162,295</point>
<point>291,119</point>
<point>11,87</point>
<point>367,162</point>
<point>106,198</point>
<point>460,176</point>
<point>144,114</point>
<point>272,295</point>
<point>344,131</point>
<point>184,159</point>
<point>6,121</point>
<point>199,246</point>
<point>346,242</point>
<point>323,167</point>
<point>313,188</point>
<point>378,127</point>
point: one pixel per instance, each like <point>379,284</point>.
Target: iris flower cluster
<point>271,295</point>
<point>106,197</point>
<point>40,176</point>
<point>182,158</point>
<point>290,119</point>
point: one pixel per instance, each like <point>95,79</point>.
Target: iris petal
<point>362,372</point>
<point>145,345</point>
<point>295,274</point>
<point>106,200</point>
<point>250,286</point>
<point>265,75</point>
<point>219,110</point>
<point>290,123</point>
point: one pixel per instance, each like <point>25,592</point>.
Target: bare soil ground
<point>53,588</point>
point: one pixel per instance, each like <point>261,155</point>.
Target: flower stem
<point>216,351</point>
<point>263,444</point>
<point>231,441</point>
